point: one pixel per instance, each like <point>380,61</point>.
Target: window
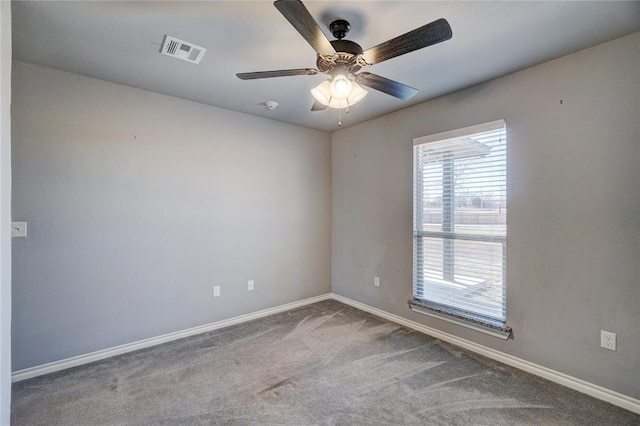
<point>460,227</point>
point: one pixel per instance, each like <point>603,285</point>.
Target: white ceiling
<point>120,42</point>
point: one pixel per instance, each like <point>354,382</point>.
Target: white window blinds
<point>460,227</point>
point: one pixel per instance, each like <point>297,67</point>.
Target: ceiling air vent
<point>182,49</point>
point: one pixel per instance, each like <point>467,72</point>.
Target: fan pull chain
<point>346,110</point>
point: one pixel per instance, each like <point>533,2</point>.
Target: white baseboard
<point>75,361</point>
<point>574,383</point>
<point>604,394</point>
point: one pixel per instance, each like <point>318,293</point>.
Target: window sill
<point>490,327</point>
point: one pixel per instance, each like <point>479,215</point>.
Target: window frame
<point>485,324</point>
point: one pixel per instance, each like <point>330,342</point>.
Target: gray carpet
<point>325,363</point>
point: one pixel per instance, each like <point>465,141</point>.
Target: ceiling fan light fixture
<point>323,94</point>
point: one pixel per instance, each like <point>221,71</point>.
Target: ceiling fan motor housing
<point>347,53</point>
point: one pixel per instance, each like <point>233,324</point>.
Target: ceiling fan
<point>342,59</point>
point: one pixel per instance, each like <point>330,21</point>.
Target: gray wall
<point>574,204</point>
<point>5,211</point>
<point>138,203</point>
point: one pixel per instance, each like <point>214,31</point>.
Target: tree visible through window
<point>460,227</point>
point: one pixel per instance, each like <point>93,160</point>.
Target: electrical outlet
<point>250,285</point>
<point>376,281</point>
<point>608,340</point>
<point>216,291</point>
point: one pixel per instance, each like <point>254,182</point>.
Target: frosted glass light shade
<point>322,92</point>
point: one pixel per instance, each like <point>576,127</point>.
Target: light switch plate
<point>18,229</point>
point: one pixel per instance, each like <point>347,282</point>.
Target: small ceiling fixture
<point>342,59</point>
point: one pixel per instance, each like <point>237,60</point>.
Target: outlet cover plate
<point>608,340</point>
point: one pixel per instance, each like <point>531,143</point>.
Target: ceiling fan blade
<point>298,16</point>
<point>317,106</point>
<point>382,84</point>
<point>427,35</point>
<point>277,73</point>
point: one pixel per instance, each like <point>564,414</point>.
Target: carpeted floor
<point>325,363</point>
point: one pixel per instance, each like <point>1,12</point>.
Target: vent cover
<point>181,49</point>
